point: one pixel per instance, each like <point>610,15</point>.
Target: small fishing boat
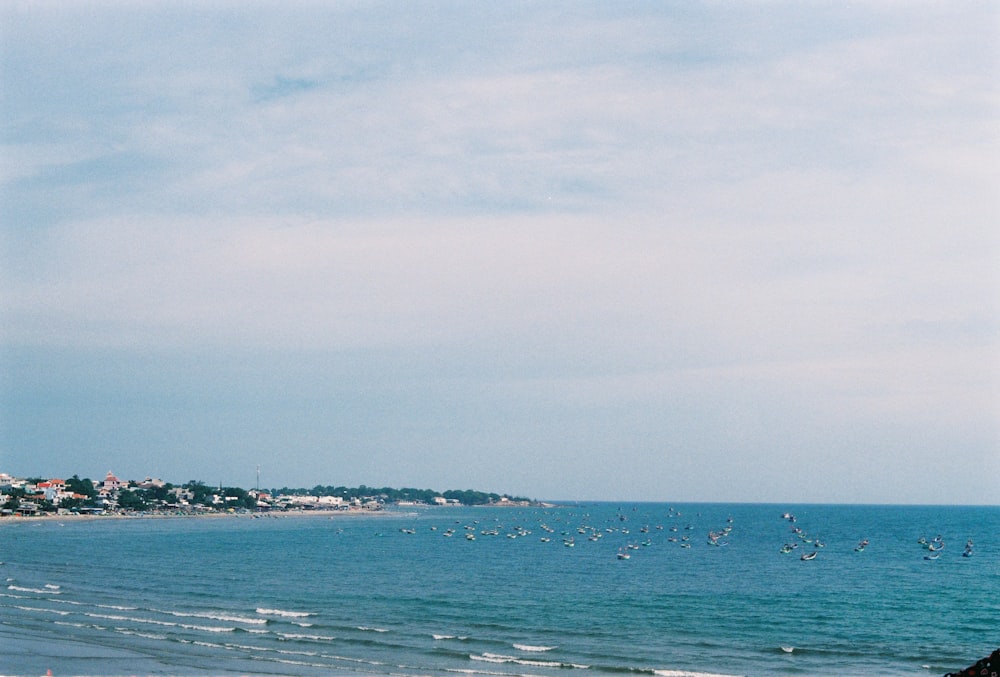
<point>808,556</point>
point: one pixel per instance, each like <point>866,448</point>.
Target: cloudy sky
<point>623,251</point>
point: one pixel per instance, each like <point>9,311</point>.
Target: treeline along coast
<point>34,496</point>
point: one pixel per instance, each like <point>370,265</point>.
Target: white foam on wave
<point>493,658</point>
<point>217,617</point>
<point>39,591</point>
<point>364,628</point>
<point>296,653</point>
<point>284,614</point>
<point>77,625</point>
<point>136,633</point>
<point>206,628</point>
<point>688,673</point>
<point>247,647</point>
<point>130,619</point>
<point>318,638</point>
<point>529,647</point>
<point>114,607</point>
<point>286,661</point>
<point>539,664</point>
<point>50,586</point>
<point>169,624</point>
<point>516,660</point>
<point>286,652</point>
<point>47,611</point>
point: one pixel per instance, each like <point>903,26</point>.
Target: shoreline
<point>21,519</point>
<point>282,514</point>
<point>394,511</point>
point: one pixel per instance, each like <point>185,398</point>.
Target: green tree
<point>132,500</point>
<point>201,493</point>
<point>83,487</point>
<point>160,494</point>
<point>76,503</point>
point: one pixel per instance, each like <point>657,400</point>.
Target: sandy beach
<point>19,519</point>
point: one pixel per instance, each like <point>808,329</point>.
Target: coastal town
<point>35,496</point>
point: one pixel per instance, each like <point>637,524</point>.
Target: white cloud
<point>758,207</point>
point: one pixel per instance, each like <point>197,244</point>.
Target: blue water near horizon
<point>391,594</point>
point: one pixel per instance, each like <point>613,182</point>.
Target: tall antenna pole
<point>258,478</point>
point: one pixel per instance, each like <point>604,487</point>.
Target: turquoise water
<point>315,595</point>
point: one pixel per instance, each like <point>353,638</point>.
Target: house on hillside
<point>54,490</point>
<point>111,484</point>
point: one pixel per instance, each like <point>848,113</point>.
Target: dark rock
<point>988,667</point>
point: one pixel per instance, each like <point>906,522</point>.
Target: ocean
<point>705,590</point>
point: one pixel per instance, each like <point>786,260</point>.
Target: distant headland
<point>36,496</point>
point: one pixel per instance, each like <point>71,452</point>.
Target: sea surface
<point>540,591</point>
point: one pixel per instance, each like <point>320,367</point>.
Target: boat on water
<point>808,556</point>
<point>623,554</point>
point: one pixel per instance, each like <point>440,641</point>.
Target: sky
<point>636,251</point>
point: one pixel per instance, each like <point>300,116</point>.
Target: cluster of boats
<point>716,537</point>
<point>935,545</point>
<point>803,538</point>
